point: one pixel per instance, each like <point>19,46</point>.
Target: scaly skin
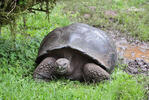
<point>62,66</point>
<point>94,73</point>
<point>50,67</point>
<point>45,69</point>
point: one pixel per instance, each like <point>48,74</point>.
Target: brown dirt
<point>132,52</point>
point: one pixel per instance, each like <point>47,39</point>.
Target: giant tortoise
<point>76,52</point>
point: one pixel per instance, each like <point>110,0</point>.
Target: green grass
<point>126,20</point>
<point>15,86</point>
<point>17,66</point>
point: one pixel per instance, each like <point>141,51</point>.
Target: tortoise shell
<point>86,39</point>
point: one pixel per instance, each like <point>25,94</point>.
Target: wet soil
<point>132,52</point>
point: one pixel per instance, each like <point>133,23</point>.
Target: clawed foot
<point>45,69</point>
<point>49,67</point>
<point>94,73</point>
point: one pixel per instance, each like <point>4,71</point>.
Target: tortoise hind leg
<point>45,69</point>
<point>94,73</point>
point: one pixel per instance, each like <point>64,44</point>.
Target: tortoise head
<point>62,66</point>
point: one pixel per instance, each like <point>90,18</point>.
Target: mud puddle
<point>133,53</point>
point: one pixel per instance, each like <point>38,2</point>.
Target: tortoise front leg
<point>45,69</point>
<point>94,73</point>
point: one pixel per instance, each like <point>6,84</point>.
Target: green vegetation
<point>126,16</point>
<point>11,9</point>
<point>17,65</point>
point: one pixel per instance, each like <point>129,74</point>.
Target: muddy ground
<point>132,52</point>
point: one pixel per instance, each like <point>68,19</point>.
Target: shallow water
<point>132,52</point>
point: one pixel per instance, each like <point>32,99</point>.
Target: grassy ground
<point>17,65</point>
<point>130,17</point>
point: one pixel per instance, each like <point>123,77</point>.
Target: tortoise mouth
<point>61,70</point>
<point>55,53</point>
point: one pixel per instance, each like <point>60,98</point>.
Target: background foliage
<point>11,9</point>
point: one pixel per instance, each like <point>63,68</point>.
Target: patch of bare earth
<point>132,52</point>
